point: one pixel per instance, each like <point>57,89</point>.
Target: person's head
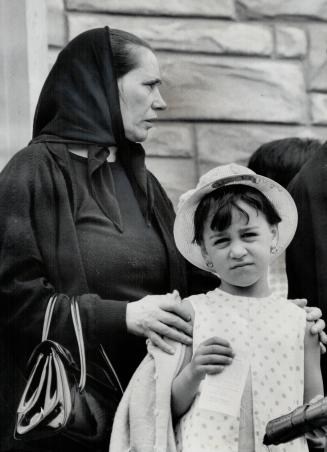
<point>138,76</point>
<point>236,227</point>
<point>233,224</point>
<point>281,160</point>
<point>102,88</point>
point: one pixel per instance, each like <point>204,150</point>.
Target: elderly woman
<point>81,215</point>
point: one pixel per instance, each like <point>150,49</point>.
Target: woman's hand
<point>210,358</point>
<point>314,315</point>
<point>159,316</point>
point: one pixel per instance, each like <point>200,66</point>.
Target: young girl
<point>234,224</point>
<point>247,364</point>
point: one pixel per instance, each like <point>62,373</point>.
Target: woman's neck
<point>113,154</point>
<point>82,152</point>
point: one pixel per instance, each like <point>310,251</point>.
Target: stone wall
<point>236,73</point>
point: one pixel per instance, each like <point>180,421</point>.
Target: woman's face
<point>139,95</point>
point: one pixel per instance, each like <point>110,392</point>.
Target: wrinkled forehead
<point>146,62</point>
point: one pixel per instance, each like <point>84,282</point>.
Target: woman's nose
<point>237,250</point>
<point>159,103</point>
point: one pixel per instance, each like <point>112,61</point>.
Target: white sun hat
<point>230,175</point>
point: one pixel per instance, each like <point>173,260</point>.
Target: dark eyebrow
<point>217,234</point>
<point>155,81</point>
<point>249,228</point>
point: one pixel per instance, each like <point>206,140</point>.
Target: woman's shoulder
<point>290,312</point>
<point>28,157</point>
<point>202,299</point>
<point>28,169</point>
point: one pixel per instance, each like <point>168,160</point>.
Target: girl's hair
<point>220,203</point>
<point>123,46</point>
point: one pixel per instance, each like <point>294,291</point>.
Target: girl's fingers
<point>217,350</point>
<point>214,369</point>
<point>205,360</point>
<point>215,340</point>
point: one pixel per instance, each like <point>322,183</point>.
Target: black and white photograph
<point>163,225</point>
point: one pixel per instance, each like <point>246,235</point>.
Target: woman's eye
<point>150,85</point>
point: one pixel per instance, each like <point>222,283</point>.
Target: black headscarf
<point>79,104</point>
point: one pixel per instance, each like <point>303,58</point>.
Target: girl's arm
<point>313,384</point>
<point>210,358</point>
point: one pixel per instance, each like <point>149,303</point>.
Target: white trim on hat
<point>230,175</point>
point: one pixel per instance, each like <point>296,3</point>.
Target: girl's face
<point>139,95</point>
<point>241,254</point>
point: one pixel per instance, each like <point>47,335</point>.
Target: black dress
<point>46,231</point>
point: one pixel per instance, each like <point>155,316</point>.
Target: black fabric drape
<point>306,256</point>
<point>39,249</point>
<point>79,104</point>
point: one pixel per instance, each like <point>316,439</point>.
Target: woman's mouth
<point>241,265</point>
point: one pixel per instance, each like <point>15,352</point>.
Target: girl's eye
<point>221,241</point>
<point>249,235</point>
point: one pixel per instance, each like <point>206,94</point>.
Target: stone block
<point>208,8</point>
<point>318,80</point>
<point>291,42</point>
<point>317,57</point>
<point>319,108</point>
<point>57,33</point>
<point>220,144</point>
<point>266,8</point>
<point>175,175</point>
<point>189,35</point>
<point>199,87</point>
<point>52,56</point>
<point>170,140</point>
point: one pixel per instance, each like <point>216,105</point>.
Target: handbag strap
<point>74,309</point>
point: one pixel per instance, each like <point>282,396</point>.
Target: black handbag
<point>59,398</point>
<point>303,419</point>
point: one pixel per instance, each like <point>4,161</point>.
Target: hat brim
<point>275,193</point>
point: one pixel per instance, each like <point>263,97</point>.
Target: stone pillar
<point>23,69</point>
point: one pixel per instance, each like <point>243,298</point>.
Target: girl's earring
<point>209,264</point>
<point>273,249</point>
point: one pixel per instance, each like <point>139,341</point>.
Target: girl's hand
<point>314,315</point>
<point>160,316</point>
<point>210,358</point>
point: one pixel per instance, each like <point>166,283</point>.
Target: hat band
<point>241,177</point>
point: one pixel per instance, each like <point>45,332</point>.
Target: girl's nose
<point>237,250</point>
<point>159,103</point>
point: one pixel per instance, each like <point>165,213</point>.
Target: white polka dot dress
<point>272,330</point>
